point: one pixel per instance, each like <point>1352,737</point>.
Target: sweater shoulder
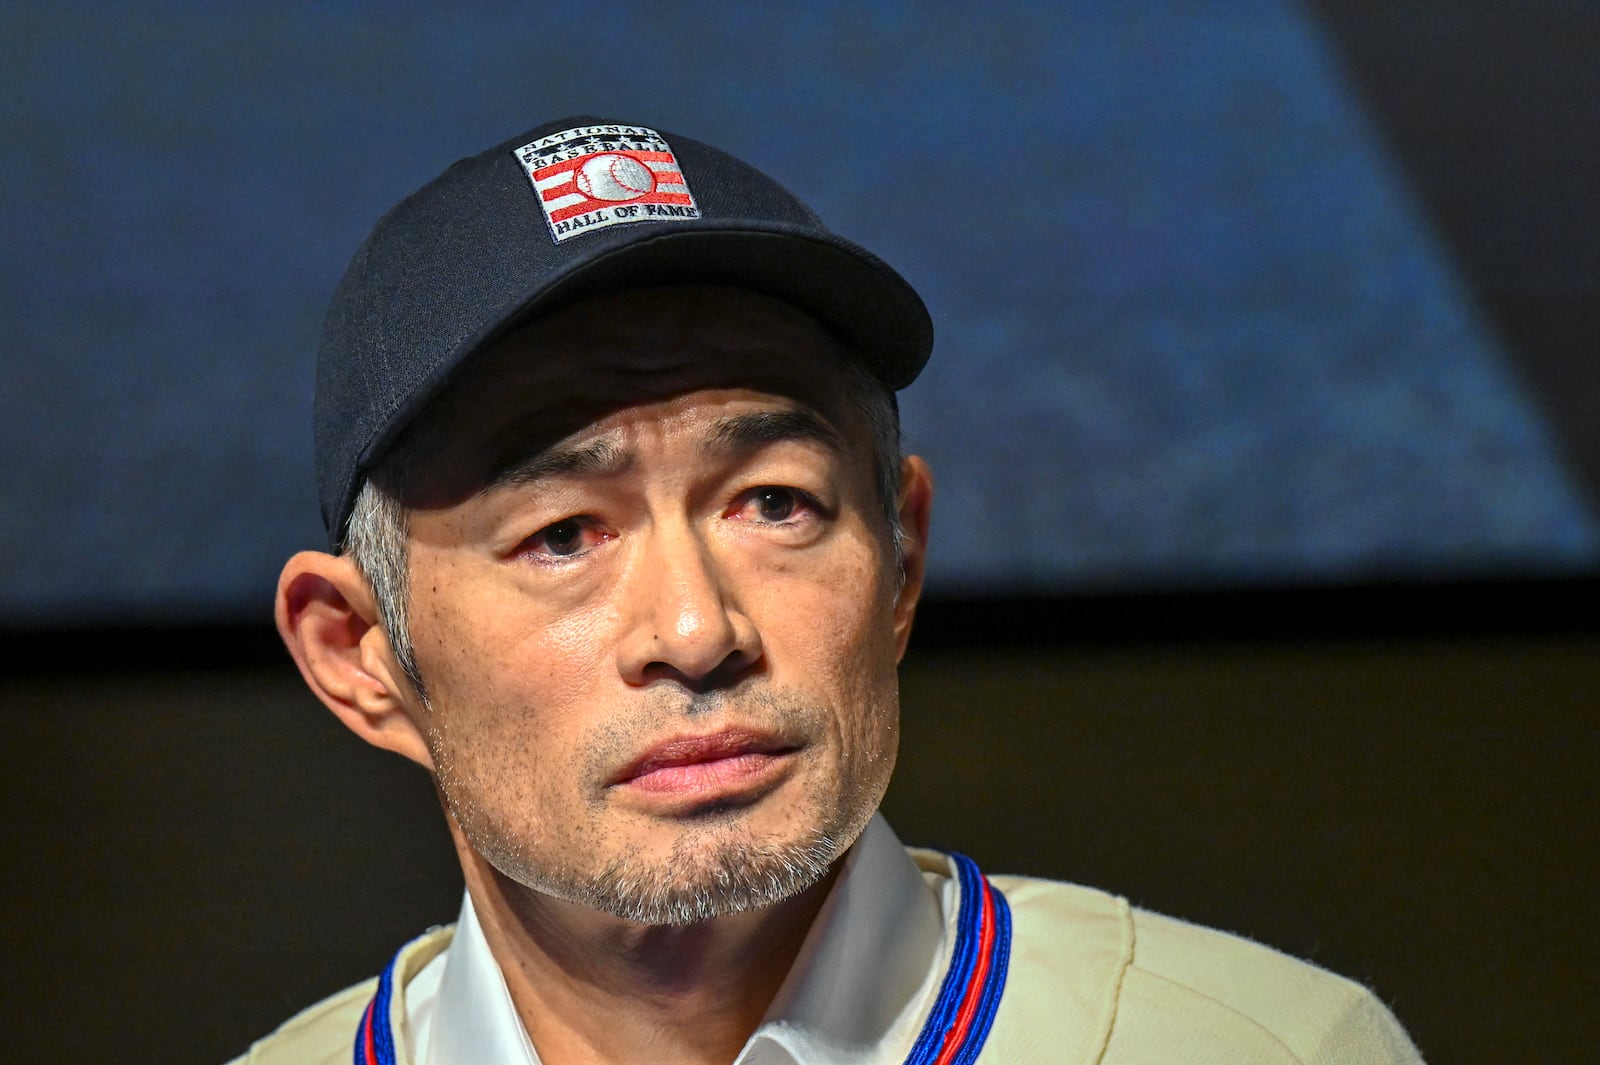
<point>1196,993</point>
<point>1147,987</point>
<point>321,1034</point>
<point>324,1034</point>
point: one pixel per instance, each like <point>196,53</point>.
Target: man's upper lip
<point>689,750</point>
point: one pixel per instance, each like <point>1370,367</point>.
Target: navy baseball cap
<point>567,210</point>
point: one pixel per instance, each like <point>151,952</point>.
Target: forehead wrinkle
<point>596,458</point>
<point>746,432</point>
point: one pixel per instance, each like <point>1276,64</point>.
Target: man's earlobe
<point>915,507</point>
<point>328,619</point>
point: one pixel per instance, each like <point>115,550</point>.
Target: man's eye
<point>776,505</point>
<point>565,538</point>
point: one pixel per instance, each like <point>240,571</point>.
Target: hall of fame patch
<point>596,176</point>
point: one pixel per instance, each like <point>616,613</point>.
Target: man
<point>626,556</point>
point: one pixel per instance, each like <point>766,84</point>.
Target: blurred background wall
<point>1262,414</point>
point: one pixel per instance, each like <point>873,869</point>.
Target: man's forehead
<point>559,377</point>
<point>643,345</point>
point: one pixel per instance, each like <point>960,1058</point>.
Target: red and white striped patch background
<point>588,180</point>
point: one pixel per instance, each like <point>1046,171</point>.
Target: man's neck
<point>593,988</point>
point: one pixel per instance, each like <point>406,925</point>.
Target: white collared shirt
<point>859,990</point>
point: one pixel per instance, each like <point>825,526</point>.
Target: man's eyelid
<point>802,465</point>
<point>520,542</point>
<point>523,509</point>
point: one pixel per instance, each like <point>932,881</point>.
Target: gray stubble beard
<point>734,879</point>
<point>702,879</point>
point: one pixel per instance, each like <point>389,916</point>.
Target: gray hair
<point>376,537</point>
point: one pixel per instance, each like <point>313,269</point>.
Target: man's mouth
<point>726,760</point>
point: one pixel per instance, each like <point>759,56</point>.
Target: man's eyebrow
<point>745,432</point>
<point>598,458</point>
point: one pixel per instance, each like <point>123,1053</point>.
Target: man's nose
<point>684,623</point>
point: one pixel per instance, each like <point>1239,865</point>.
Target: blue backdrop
<point>1193,328</point>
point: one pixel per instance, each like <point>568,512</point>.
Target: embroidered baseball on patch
<point>596,176</point>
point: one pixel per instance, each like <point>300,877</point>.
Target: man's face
<point>655,607</point>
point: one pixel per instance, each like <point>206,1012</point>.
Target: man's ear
<point>915,506</point>
<point>328,618</point>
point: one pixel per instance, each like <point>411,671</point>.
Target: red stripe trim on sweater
<point>956,1037</point>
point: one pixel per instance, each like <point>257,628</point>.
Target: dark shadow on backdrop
<point>1494,110</point>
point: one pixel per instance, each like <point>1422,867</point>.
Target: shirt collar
<point>868,968</point>
<point>471,1019</point>
<point>859,990</point>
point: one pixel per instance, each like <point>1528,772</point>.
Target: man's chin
<point>713,879</point>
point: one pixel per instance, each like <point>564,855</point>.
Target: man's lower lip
<point>730,774</point>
